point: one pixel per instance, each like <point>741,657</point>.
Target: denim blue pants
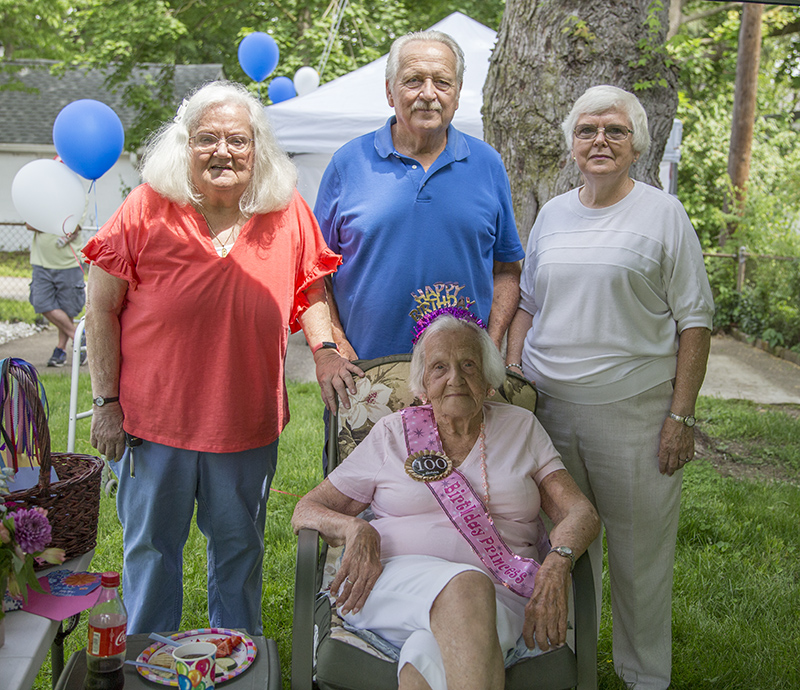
<point>155,508</point>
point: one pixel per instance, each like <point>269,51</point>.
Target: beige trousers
<point>611,452</point>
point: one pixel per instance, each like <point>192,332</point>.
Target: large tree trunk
<point>547,54</point>
<point>744,111</point>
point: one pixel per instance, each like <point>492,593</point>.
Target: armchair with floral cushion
<point>329,656</point>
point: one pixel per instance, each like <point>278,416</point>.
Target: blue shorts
<point>58,288</point>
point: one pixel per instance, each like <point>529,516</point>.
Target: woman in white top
<point>614,327</point>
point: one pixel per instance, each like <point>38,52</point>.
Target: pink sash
<point>464,508</point>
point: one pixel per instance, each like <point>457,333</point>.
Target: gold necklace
<point>214,235</point>
<point>224,252</point>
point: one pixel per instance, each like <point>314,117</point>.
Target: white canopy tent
<point>314,126</point>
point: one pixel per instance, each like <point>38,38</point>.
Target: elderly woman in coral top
<point>457,607</point>
<point>195,283</point>
<point>614,327</point>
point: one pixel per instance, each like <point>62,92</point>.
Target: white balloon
<point>306,79</point>
<point>48,196</point>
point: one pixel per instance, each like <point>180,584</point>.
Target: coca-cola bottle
<point>105,651</point>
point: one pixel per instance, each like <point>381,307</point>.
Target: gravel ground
<point>13,331</point>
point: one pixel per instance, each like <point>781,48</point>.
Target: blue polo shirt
<point>413,241</point>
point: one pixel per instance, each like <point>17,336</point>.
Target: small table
<point>28,637</point>
<point>263,674</point>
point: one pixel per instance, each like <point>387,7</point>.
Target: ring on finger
<point>347,579</point>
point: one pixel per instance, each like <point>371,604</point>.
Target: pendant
<point>428,466</point>
<point>224,253</point>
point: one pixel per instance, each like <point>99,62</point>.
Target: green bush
<point>771,214</point>
<point>768,306</point>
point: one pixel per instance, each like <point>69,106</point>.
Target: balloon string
<point>78,259</point>
<point>93,187</point>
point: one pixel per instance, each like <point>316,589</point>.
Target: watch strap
<point>324,345</point>
<point>564,552</point>
<point>99,400</point>
<point>687,420</point>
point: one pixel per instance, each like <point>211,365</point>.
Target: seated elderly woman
<point>447,570</point>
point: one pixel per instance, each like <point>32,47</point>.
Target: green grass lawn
<point>15,264</point>
<point>737,581</point>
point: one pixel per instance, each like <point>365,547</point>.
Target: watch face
<point>690,421</point>
<point>99,401</point>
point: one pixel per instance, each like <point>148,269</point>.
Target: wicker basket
<point>73,502</point>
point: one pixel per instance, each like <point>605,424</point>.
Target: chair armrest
<point>305,586</point>
<point>586,624</point>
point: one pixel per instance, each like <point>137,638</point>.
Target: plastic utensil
<point>164,640</point>
<point>152,667</point>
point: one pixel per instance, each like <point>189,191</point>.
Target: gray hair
<point>167,157</point>
<point>393,62</point>
<point>600,99</point>
<point>491,361</point>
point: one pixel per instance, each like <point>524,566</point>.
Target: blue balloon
<point>281,89</point>
<point>258,55</point>
<point>89,137</point>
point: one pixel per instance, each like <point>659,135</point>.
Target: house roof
<point>27,118</point>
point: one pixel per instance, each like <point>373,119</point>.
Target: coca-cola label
<point>107,641</point>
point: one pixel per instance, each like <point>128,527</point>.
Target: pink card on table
<point>59,607</point>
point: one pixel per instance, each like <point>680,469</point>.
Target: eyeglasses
<point>205,142</point>
<point>612,132</point>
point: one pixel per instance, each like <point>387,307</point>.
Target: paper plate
<point>244,654</point>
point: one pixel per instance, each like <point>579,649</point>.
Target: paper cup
<point>194,663</point>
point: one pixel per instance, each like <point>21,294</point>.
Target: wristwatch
<point>100,400</point>
<point>688,420</point>
<point>324,345</point>
<point>566,552</point>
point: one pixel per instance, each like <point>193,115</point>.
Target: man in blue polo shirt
<point>420,212</point>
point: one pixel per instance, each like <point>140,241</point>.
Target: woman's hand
<point>676,446</point>
<point>105,295</point>
<point>546,611</point>
<point>107,435</point>
<point>360,568</point>
<point>575,524</point>
<point>333,515</point>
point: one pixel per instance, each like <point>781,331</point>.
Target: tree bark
<point>548,53</point>
<point>744,111</point>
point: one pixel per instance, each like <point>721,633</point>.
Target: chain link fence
<point>15,271</point>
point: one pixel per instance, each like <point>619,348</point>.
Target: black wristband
<point>324,345</point>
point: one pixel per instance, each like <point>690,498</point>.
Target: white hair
<point>167,156</point>
<point>600,99</point>
<point>393,61</point>
<point>492,365</point>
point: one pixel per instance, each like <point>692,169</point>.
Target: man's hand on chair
<point>335,377</point>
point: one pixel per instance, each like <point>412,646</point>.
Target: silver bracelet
<point>518,366</point>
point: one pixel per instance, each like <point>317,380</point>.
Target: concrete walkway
<point>735,369</point>
<point>738,370</point>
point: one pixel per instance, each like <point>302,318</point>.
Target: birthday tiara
<point>459,313</point>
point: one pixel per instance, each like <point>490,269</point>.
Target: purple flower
<point>32,531</point>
